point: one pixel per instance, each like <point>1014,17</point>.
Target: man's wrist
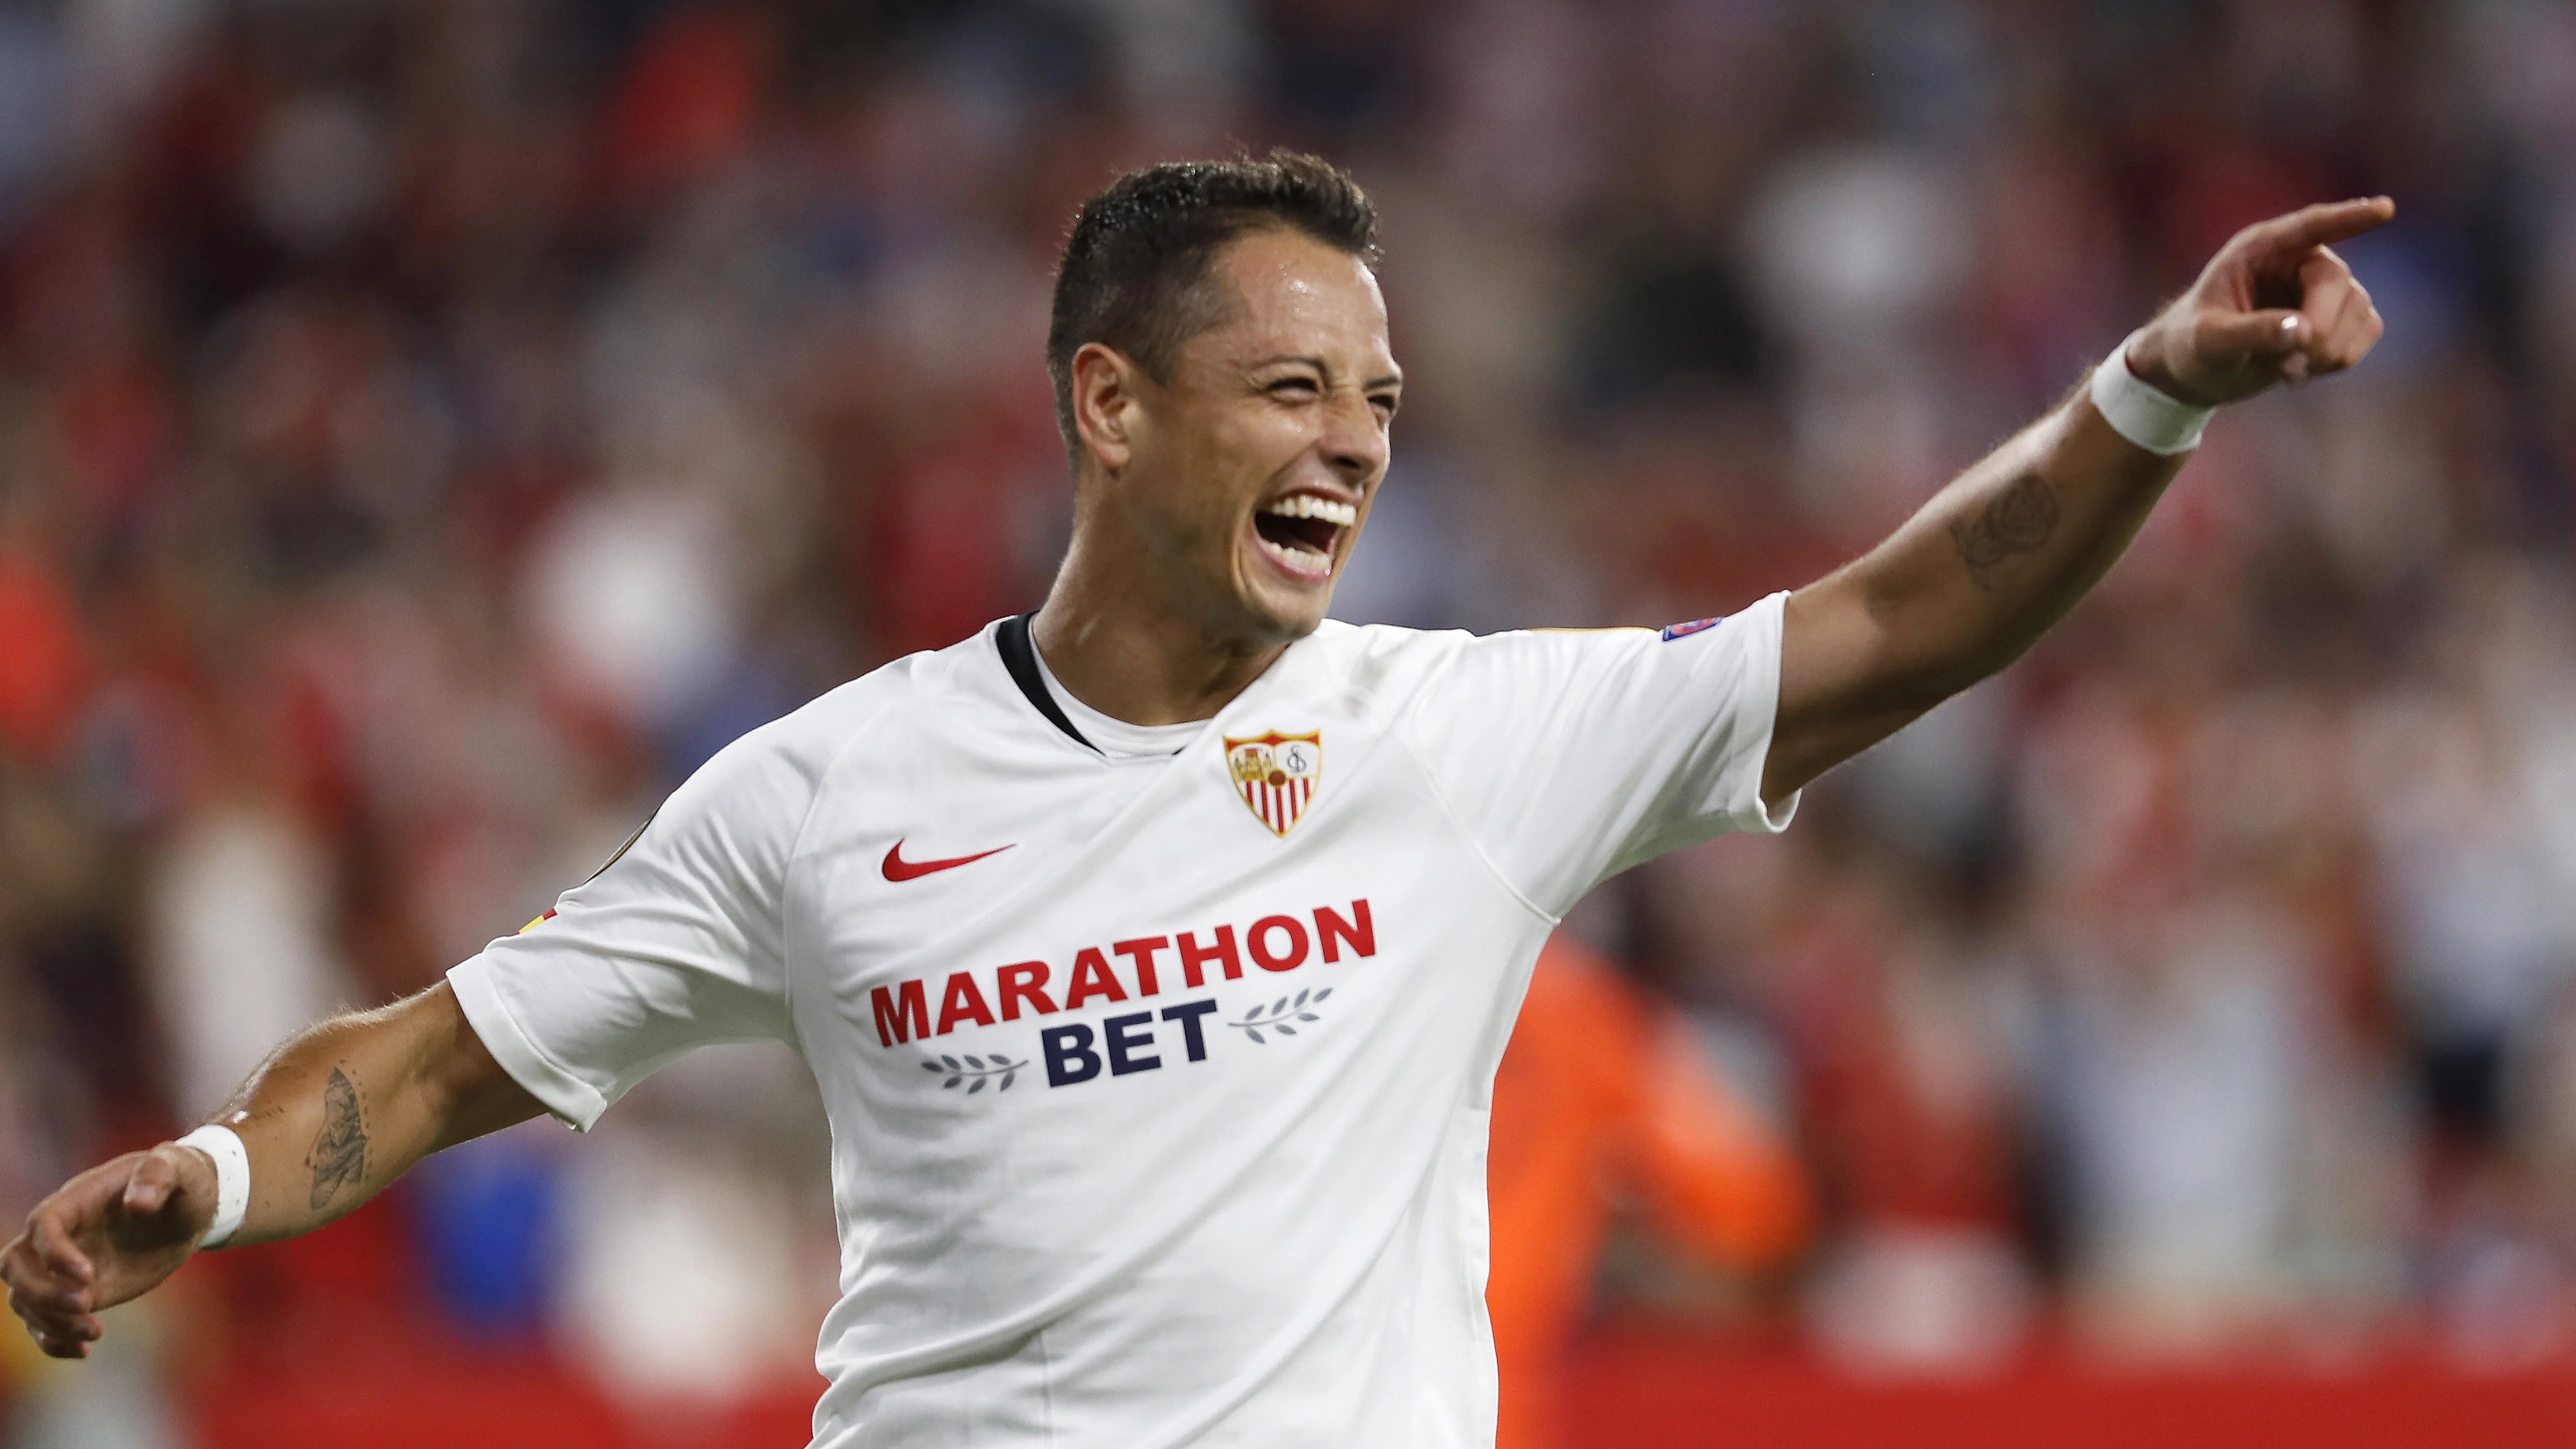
<point>2146,362</point>
<point>223,1151</point>
<point>2138,408</point>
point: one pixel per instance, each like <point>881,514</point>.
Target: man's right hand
<point>111,1234</point>
<point>372,1093</point>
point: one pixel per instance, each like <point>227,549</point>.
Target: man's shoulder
<point>1382,647</point>
<point>917,691</point>
<point>1382,657</point>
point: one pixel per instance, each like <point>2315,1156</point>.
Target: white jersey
<point>1158,1085</point>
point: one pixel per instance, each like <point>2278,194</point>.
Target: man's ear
<point>1107,402</point>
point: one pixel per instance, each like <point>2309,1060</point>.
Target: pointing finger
<point>2323,224</point>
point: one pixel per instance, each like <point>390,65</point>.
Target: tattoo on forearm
<point>339,1154</point>
<point>2018,520</point>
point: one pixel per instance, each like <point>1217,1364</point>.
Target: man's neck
<point>1134,658</point>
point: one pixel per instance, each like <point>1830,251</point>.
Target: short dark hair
<point>1134,274</point>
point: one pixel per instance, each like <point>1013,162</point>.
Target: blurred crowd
<point>429,428</point>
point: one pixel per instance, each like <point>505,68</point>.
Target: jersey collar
<point>1020,660</point>
<point>1020,657</point>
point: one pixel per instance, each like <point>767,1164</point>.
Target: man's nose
<point>1354,441</point>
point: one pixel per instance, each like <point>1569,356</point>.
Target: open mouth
<point>1301,530</point>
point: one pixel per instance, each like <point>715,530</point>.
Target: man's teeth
<point>1307,505</point>
<point>1305,560</point>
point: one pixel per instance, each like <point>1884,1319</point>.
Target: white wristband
<point>2139,412</point>
<point>232,1180</point>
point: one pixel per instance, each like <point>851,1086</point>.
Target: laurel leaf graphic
<point>1286,1030</point>
<point>1320,995</point>
<point>932,1067</point>
<point>1280,1005</point>
<point>952,1063</point>
<point>976,1062</point>
<point>1254,1033</point>
<point>979,1086</point>
<point>1007,1078</point>
<point>1301,998</point>
<point>1307,1016</point>
<point>952,1081</point>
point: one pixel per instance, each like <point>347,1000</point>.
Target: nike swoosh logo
<point>899,869</point>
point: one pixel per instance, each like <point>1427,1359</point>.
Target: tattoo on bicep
<point>2016,521</point>
<point>339,1156</point>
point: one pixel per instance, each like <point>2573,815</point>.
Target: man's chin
<point>1284,616</point>
<point>1276,607</point>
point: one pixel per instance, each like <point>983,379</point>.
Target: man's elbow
<point>463,1087</point>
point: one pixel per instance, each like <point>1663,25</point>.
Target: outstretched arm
<point>328,1120</point>
<point>2004,551</point>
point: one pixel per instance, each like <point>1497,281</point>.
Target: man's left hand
<point>2275,305</point>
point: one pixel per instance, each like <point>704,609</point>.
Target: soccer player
<point>1154,952</point>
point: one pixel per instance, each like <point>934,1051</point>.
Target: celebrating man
<point>1154,951</point>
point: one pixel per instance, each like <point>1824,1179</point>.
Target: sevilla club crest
<point>1276,775</point>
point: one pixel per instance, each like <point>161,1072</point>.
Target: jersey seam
<point>1404,738</point>
<point>787,867</point>
<point>491,992</point>
<point>536,1048</point>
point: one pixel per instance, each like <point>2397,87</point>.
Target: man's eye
<point>1304,386</point>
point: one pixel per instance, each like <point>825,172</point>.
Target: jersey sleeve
<point>675,944</point>
<point>1569,756</point>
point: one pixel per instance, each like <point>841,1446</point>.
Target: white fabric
<point>232,1180</point>
<point>1104,1215</point>
<point>2140,412</point>
<point>1116,737</point>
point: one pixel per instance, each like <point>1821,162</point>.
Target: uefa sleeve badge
<point>1276,775</point>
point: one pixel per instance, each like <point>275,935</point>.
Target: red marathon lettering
<point>1142,953</point>
<point>1259,938</point>
<point>1276,943</point>
<point>895,1015</point>
<point>1193,957</point>
<point>1092,977</point>
<point>1024,982</point>
<point>1331,930</point>
<point>962,1003</point>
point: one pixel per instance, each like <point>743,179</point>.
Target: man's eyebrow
<point>1392,379</point>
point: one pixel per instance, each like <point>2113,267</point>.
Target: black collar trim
<point>1020,657</point>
